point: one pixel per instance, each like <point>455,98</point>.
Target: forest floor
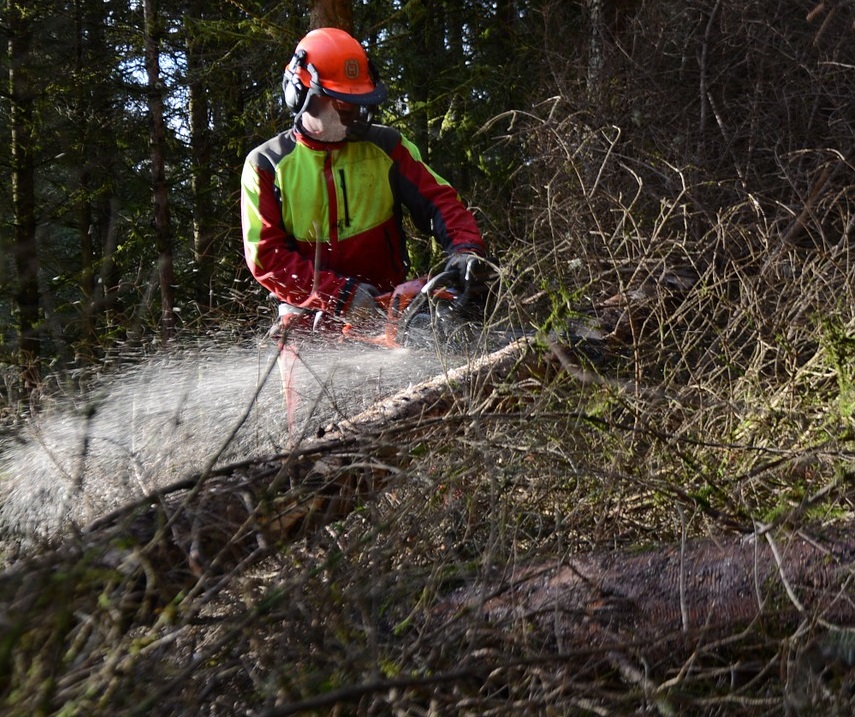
<point>512,536</point>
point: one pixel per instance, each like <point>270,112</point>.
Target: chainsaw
<point>416,313</point>
<point>422,313</point>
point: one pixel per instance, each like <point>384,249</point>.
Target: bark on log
<point>668,600</point>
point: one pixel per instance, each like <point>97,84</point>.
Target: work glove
<point>363,306</point>
<point>473,275</point>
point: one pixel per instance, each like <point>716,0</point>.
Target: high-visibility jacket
<point>341,203</point>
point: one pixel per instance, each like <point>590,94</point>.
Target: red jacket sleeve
<point>434,205</point>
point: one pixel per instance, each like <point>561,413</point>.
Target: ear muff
<point>296,93</point>
<point>373,73</point>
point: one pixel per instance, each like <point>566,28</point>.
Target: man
<point>321,204</point>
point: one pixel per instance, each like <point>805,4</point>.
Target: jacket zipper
<point>333,205</point>
<point>344,194</point>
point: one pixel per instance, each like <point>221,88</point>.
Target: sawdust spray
<point>173,416</point>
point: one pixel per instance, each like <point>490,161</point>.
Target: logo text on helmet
<point>351,68</point>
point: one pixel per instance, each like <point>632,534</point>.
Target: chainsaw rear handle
<point>433,288</point>
<point>409,298</point>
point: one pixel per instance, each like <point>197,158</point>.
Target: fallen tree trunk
<point>214,522</point>
<point>667,600</point>
<point>131,567</point>
<point>679,624</point>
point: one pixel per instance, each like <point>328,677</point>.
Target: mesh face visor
<point>366,103</point>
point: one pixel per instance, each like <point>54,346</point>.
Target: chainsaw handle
<point>441,277</point>
<point>385,298</point>
<point>426,292</point>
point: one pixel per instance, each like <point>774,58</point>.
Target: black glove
<point>473,275</point>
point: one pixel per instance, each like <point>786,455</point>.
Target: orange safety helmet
<point>329,61</point>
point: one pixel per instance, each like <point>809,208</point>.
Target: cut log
<point>668,599</point>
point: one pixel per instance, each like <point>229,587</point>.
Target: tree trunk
<point>162,225</point>
<point>427,20</point>
<point>22,95</point>
<point>671,598</point>
<point>85,227</point>
<point>428,55</point>
<point>219,518</point>
<point>332,13</point>
<point>596,59</point>
<point>96,152</point>
<point>201,154</point>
